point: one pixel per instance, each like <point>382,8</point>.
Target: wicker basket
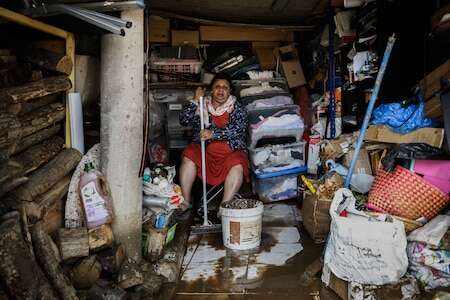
<point>403,193</point>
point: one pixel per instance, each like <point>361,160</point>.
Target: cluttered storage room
<point>201,149</point>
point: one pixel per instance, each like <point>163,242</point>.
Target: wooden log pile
<point>39,259</point>
<point>35,172</point>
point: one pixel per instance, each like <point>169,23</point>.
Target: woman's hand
<point>199,92</point>
<point>206,134</point>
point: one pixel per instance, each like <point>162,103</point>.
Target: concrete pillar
<point>121,133</point>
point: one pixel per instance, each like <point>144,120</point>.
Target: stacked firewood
<point>39,258</point>
<point>35,168</point>
<point>33,164</point>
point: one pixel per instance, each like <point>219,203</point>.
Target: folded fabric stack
<point>275,143</point>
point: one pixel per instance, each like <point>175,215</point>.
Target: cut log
<point>9,129</point>
<point>103,290</point>
<point>73,243</point>
<point>13,128</point>
<point>86,273</point>
<point>14,74</point>
<point>112,259</point>
<point>44,178</point>
<point>41,118</point>
<point>25,107</point>
<point>155,243</point>
<point>130,274</point>
<point>100,238</point>
<point>37,209</point>
<point>53,218</point>
<point>35,89</point>
<point>47,259</point>
<point>11,185</point>
<point>35,138</point>
<point>20,273</point>
<point>26,232</point>
<point>10,168</point>
<point>31,159</point>
<point>51,61</point>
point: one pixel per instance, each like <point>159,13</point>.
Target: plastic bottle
<point>95,197</point>
<point>147,175</point>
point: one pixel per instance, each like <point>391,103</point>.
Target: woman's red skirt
<point>219,160</point>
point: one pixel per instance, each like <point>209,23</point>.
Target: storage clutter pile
<point>302,138</point>
<point>161,198</point>
<point>263,74</point>
<point>396,205</point>
<point>276,147</point>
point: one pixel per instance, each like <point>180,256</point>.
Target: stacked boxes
<point>276,149</point>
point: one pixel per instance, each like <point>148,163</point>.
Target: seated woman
<point>224,133</point>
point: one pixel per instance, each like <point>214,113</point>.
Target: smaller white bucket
<point>241,228</point>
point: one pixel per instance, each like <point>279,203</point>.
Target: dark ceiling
<point>273,12</point>
<point>298,12</point>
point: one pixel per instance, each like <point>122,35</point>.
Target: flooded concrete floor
<point>273,271</point>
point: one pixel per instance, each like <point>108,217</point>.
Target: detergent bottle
<point>95,197</point>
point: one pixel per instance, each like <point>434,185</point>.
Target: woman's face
<point>220,91</point>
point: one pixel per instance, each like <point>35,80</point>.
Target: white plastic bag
<point>363,249</point>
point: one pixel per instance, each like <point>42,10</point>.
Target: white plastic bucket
<point>241,228</point>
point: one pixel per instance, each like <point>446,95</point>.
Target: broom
<point>207,226</point>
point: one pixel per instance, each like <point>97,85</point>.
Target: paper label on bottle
<point>94,204</point>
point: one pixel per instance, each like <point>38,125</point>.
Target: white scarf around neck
<point>228,107</point>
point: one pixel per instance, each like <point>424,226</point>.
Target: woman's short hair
<point>222,76</point>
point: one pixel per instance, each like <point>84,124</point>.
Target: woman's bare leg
<point>233,182</point>
<point>188,172</point>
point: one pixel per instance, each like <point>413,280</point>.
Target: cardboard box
<point>264,53</point>
<point>159,30</point>
<point>380,133</point>
<point>316,216</point>
<point>338,147</point>
<point>290,65</point>
<point>235,33</point>
<point>362,164</point>
<point>185,37</point>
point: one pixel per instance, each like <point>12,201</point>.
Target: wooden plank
<point>430,84</point>
<point>433,107</point>
<point>228,33</point>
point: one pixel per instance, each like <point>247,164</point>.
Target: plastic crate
<point>275,158</point>
<point>277,186</point>
<point>275,125</point>
<point>175,65</point>
<point>173,69</point>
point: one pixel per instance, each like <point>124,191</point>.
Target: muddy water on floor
<point>241,275</point>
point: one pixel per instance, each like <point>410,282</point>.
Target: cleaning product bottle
<point>95,197</point>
